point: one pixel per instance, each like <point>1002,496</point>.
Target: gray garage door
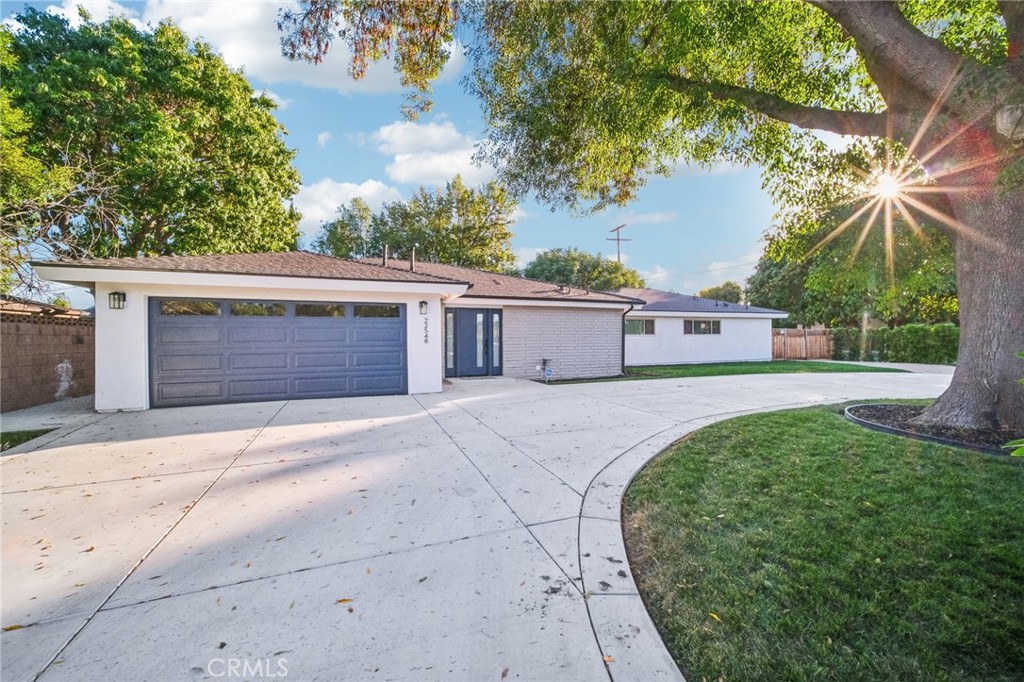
<point>206,351</point>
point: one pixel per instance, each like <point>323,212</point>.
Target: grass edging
<point>12,439</point>
<point>895,559</point>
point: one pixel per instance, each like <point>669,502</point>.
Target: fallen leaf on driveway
<point>504,673</point>
<point>609,659</point>
<point>345,601</point>
<point>91,549</point>
<point>13,627</point>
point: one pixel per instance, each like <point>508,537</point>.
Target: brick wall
<point>43,360</point>
<point>578,342</point>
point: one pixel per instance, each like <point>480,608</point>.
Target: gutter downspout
<point>628,311</point>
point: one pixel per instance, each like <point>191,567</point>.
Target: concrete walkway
<point>466,536</point>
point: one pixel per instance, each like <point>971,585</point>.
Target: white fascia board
<point>90,276</point>
<point>639,313</point>
<point>485,302</point>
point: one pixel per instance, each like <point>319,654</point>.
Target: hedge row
<point>927,343</point>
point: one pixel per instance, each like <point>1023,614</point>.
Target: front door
<point>474,342</point>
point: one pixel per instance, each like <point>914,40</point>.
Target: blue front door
<point>474,342</point>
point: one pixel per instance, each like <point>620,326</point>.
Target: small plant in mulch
<point>901,417</point>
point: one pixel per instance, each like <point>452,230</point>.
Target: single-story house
<point>194,330</point>
<point>673,328</point>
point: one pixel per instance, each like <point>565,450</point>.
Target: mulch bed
<point>900,416</point>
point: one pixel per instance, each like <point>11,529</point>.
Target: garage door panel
<point>320,386</point>
<point>378,385</point>
<point>259,361</point>
<point>335,333</point>
<point>208,359</point>
<point>364,360</point>
<point>321,360</point>
<point>258,333</point>
<point>190,335</point>
<point>191,363</point>
<point>192,389</point>
<point>377,334</point>
<point>262,388</point>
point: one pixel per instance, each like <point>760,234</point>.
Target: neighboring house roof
<point>12,305</point>
<point>671,302</point>
<point>279,264</point>
<point>484,284</point>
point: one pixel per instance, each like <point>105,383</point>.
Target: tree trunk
<point>985,392</point>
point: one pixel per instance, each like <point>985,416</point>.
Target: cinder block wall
<point>579,342</point>
<point>43,360</point>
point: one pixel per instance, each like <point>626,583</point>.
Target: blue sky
<point>695,229</point>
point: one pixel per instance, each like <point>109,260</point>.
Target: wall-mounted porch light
<point>423,307</point>
<point>116,300</point>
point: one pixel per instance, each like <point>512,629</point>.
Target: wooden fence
<point>802,344</point>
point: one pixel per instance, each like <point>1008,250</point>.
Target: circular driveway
<point>465,536</point>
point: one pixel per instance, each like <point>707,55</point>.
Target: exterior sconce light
<point>423,307</point>
<point>116,300</point>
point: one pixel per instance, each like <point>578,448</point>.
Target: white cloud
<point>525,255</point>
<point>519,214</point>
<point>428,153</point>
<point>650,218</point>
<point>736,269</point>
<point>407,137</point>
<point>319,202</point>
<point>99,10</point>
<point>323,138</point>
<point>657,277</point>
<point>246,34</point>
<point>280,101</point>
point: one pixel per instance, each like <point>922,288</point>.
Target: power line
<point>699,272</point>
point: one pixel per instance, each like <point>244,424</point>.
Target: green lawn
<point>14,438</point>
<point>826,551</point>
<point>726,368</point>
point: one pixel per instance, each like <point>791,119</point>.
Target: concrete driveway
<point>467,536</point>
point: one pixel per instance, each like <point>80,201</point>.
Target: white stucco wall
<point>740,340</point>
<point>122,336</point>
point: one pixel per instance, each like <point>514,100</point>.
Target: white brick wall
<point>578,342</point>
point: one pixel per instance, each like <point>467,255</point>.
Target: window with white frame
<point>702,326</point>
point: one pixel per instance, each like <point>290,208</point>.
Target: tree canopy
<point>165,149</point>
<point>729,291</point>
<point>581,269</point>
<point>584,100</point>
<point>898,274</point>
<point>458,225</point>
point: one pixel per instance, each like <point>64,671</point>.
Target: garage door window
<point>257,309</point>
<point>319,310</point>
<point>377,311</point>
<point>178,307</point>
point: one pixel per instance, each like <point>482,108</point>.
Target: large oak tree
<point>161,147</point>
<point>586,99</point>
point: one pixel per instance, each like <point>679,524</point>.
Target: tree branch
<point>817,118</point>
<point>894,50</point>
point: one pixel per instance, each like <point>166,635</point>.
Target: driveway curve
<point>465,536</point>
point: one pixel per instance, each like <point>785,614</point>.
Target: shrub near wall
<point>934,344</point>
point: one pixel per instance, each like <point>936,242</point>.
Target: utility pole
<point>618,241</point>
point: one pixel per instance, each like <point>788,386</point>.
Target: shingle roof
<point>280,264</point>
<point>669,301</point>
<point>483,284</point>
